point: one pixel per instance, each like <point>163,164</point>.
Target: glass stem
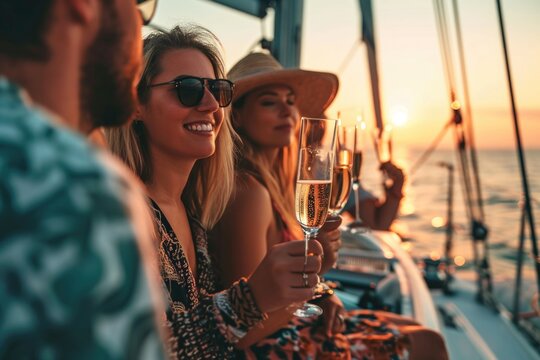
<point>356,189</point>
<point>307,236</point>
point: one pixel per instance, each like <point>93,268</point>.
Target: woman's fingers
<point>312,265</point>
<point>332,222</point>
<point>299,280</point>
<point>297,247</point>
<point>284,276</point>
<point>339,323</point>
<point>331,241</point>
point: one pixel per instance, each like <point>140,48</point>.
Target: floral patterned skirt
<point>368,336</point>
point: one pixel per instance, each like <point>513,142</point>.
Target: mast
<point>368,36</point>
<point>256,8</point>
<point>287,41</point>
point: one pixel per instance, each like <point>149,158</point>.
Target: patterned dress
<point>71,277</point>
<point>367,336</point>
<point>204,323</point>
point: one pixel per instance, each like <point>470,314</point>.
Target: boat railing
<point>423,308</point>
<point>375,254</point>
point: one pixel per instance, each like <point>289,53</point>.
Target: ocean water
<point>426,204</point>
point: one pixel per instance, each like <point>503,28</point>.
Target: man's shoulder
<point>68,255</point>
<point>46,167</point>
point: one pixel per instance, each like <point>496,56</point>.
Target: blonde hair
<point>211,181</point>
<point>278,177</point>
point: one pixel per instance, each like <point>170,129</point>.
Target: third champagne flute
<point>314,185</point>
<point>357,158</point>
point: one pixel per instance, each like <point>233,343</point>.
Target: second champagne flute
<point>314,184</point>
<point>342,175</point>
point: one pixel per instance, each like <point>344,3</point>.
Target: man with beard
<point>75,264</point>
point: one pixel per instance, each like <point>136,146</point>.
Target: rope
<point>347,58</point>
<point>477,189</point>
<point>463,162</point>
<point>468,166</point>
<point>432,147</point>
<point>445,51</point>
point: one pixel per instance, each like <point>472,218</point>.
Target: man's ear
<point>85,11</point>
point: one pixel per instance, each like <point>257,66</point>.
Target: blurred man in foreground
<point>74,267</point>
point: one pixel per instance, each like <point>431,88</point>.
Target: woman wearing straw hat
<point>266,108</point>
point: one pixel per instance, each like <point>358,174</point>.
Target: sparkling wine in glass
<point>311,202</point>
<point>314,184</point>
<point>341,187</point>
<point>342,175</point>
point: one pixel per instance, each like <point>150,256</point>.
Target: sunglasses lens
<point>190,91</point>
<point>147,8</point>
<point>222,91</point>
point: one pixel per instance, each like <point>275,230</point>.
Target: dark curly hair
<point>23,25</point>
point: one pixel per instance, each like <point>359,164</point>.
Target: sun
<point>400,117</point>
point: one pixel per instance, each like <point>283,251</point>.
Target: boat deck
<point>473,331</point>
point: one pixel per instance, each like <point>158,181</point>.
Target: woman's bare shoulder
<point>250,191</point>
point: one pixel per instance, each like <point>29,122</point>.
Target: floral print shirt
<point>72,284</point>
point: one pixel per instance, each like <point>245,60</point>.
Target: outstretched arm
<point>387,211</point>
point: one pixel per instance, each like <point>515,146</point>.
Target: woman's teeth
<point>199,127</point>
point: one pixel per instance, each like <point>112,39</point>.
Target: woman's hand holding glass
<point>333,318</point>
<point>330,238</point>
<point>396,179</point>
<point>278,281</point>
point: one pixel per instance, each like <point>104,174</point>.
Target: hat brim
<point>314,90</point>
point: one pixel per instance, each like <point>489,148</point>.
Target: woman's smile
<point>201,128</point>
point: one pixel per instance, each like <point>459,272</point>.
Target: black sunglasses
<point>190,89</point>
<point>147,8</point>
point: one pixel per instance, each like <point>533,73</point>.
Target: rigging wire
<point>445,52</point>
<point>347,59</point>
<point>443,40</point>
<point>468,113</point>
<point>263,42</point>
<point>473,177</point>
<point>442,28</point>
<point>432,147</point>
<point>468,166</point>
<point>528,210</point>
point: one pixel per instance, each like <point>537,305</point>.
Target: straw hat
<point>314,90</point>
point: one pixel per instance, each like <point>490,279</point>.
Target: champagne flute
<point>341,188</point>
<point>358,144</point>
<point>383,149</point>
<point>342,175</point>
<point>314,184</point>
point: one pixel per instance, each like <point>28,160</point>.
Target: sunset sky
<point>410,65</point>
